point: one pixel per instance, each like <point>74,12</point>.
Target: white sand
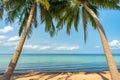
<point>61,76</point>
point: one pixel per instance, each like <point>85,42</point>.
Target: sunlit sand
<point>61,76</point>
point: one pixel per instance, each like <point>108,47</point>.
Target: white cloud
<point>2,37</point>
<point>10,43</point>
<point>66,48</point>
<point>13,41</point>
<point>6,29</point>
<point>36,47</point>
<point>30,46</point>
<point>115,44</point>
<point>14,38</point>
<point>97,46</point>
<point>44,47</point>
<point>52,47</point>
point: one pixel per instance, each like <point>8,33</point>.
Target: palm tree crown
<point>89,12</point>
<point>66,12</point>
<point>19,10</point>
<point>74,10</point>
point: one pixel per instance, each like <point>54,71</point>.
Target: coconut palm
<point>88,10</point>
<point>16,55</point>
<point>20,9</point>
<point>25,11</point>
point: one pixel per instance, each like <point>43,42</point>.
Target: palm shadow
<point>100,74</point>
<point>52,75</point>
<point>27,74</point>
<point>48,75</point>
<point>55,74</point>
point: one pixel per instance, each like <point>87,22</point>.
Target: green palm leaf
<point>45,3</point>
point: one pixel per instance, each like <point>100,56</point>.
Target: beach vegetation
<point>87,11</point>
<point>63,12</point>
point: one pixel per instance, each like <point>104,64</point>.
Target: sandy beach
<point>61,76</point>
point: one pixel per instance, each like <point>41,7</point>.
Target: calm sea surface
<point>59,62</point>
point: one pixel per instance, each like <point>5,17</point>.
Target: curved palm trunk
<point>111,64</point>
<point>9,71</point>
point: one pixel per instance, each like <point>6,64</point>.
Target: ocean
<point>59,62</point>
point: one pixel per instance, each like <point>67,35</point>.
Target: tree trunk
<point>10,69</point>
<point>111,64</point>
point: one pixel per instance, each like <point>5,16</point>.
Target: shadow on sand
<point>55,75</point>
<point>101,74</point>
<point>48,76</point>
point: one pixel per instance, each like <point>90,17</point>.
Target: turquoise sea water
<point>59,62</point>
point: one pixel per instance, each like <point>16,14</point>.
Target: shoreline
<point>104,75</point>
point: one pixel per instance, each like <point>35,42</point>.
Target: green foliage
<point>74,10</point>
<point>45,3</point>
<point>69,16</point>
<point>19,10</point>
<point>62,12</point>
<point>109,4</point>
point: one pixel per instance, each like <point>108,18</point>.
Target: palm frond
<point>45,3</point>
<point>77,18</point>
<point>109,4</point>
<point>84,20</point>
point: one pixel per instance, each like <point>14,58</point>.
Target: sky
<point>41,42</point>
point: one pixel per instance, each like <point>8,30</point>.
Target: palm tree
<point>20,9</point>
<point>26,12</point>
<point>88,8</point>
<point>111,63</point>
<point>16,55</point>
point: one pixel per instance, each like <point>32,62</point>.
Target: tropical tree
<point>61,10</point>
<point>25,11</point>
<point>16,55</point>
<point>88,10</point>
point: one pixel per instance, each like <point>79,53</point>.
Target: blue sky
<point>41,42</point>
